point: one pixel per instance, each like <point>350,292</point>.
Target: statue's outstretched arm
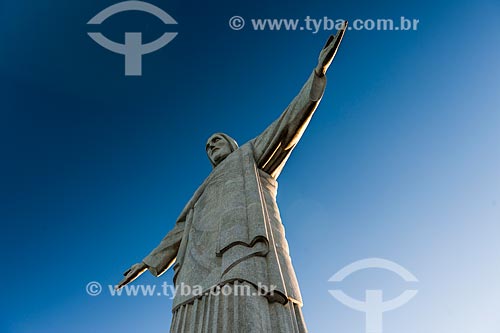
<point>160,259</point>
<point>163,256</point>
<point>273,147</point>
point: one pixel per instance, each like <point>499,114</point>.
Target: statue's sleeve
<point>163,256</point>
<point>273,147</point>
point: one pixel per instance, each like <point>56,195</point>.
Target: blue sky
<point>401,160</point>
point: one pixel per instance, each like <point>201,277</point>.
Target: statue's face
<point>217,148</point>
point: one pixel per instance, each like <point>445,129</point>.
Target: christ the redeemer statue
<point>229,237</point>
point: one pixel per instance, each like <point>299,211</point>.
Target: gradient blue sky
<point>401,161</point>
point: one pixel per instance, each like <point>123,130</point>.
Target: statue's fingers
<point>122,283</point>
<point>341,31</point>
<point>328,41</point>
<point>338,36</point>
<point>338,39</point>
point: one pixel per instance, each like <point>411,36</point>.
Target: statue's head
<point>219,146</point>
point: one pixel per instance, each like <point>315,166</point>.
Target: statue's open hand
<point>329,50</point>
<point>132,273</point>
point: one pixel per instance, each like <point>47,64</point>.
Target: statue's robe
<point>230,233</point>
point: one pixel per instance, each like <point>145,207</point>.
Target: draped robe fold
<point>231,232</point>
